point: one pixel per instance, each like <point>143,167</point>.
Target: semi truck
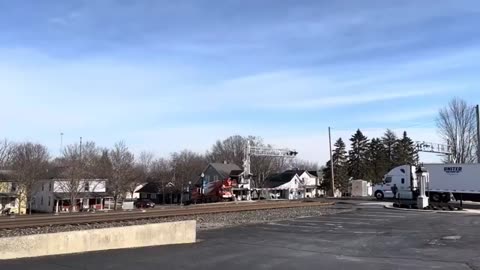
<point>446,182</point>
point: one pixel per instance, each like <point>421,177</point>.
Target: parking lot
<point>368,237</point>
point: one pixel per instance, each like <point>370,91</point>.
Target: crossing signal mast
<point>436,148</point>
<point>262,151</point>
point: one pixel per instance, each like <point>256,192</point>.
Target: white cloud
<point>353,99</point>
<point>399,116</point>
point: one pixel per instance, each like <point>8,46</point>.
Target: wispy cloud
<point>344,100</point>
<point>170,75</point>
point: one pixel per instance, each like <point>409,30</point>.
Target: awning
<point>8,195</point>
<point>82,195</point>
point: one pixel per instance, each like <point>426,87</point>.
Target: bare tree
<point>122,170</point>
<point>232,150</point>
<point>187,166</point>
<point>457,125</point>
<point>30,164</point>
<point>304,165</point>
<point>78,164</point>
<point>141,172</point>
<point>145,161</point>
<point>161,174</point>
<point>6,148</point>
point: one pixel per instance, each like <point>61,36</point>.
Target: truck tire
<point>379,195</point>
<point>445,197</point>
<point>435,197</point>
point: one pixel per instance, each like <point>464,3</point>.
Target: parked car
<point>144,203</point>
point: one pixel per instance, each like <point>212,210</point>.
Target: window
<point>49,201</point>
<point>43,187</point>
<point>153,196</point>
<point>403,180</point>
<point>13,203</point>
<point>86,186</point>
<point>41,201</point>
<point>388,179</point>
<point>143,195</point>
<point>215,178</point>
<point>50,186</point>
<point>14,187</point>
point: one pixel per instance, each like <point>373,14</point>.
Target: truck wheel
<point>445,197</point>
<point>435,197</point>
<point>379,195</point>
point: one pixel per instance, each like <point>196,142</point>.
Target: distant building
<point>136,194</point>
<point>291,185</point>
<point>223,171</point>
<point>218,171</point>
<point>161,193</point>
<point>11,197</point>
<point>55,194</point>
<point>287,185</point>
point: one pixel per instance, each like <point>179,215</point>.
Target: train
<point>214,191</point>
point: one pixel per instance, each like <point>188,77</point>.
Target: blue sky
<point>169,75</point>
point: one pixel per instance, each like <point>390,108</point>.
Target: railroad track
<point>43,221</point>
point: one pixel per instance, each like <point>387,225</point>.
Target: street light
<point>202,178</point>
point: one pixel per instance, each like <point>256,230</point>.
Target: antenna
<point>80,147</point>
<point>61,142</point>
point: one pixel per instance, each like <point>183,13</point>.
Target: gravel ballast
<point>204,221</point>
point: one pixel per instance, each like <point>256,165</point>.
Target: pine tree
<point>405,151</point>
<point>389,141</point>
<point>340,168</point>
<point>377,161</point>
<point>357,156</point>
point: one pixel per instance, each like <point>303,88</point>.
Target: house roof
<point>6,175</point>
<point>8,195</point>
<point>236,173</point>
<point>279,179</point>
<point>300,172</point>
<point>156,188</point>
<point>66,195</point>
<point>297,171</point>
<point>225,169</point>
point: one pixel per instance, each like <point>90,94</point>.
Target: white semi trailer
<point>462,181</point>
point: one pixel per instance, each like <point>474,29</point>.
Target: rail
<point>30,222</point>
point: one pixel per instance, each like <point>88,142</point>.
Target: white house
<point>54,195</point>
<point>135,195</point>
<point>310,183</point>
<point>287,185</point>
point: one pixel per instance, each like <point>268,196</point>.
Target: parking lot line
<point>386,216</point>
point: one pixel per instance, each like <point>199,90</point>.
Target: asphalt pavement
<point>368,237</point>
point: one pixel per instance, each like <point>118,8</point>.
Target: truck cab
<point>403,177</point>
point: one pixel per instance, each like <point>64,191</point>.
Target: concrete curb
<point>169,233</point>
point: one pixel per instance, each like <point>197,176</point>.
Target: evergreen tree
<point>405,151</point>
<point>340,168</point>
<point>389,141</point>
<point>377,161</point>
<point>357,156</point>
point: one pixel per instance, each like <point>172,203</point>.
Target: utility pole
<point>331,161</point>
<point>478,132</point>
